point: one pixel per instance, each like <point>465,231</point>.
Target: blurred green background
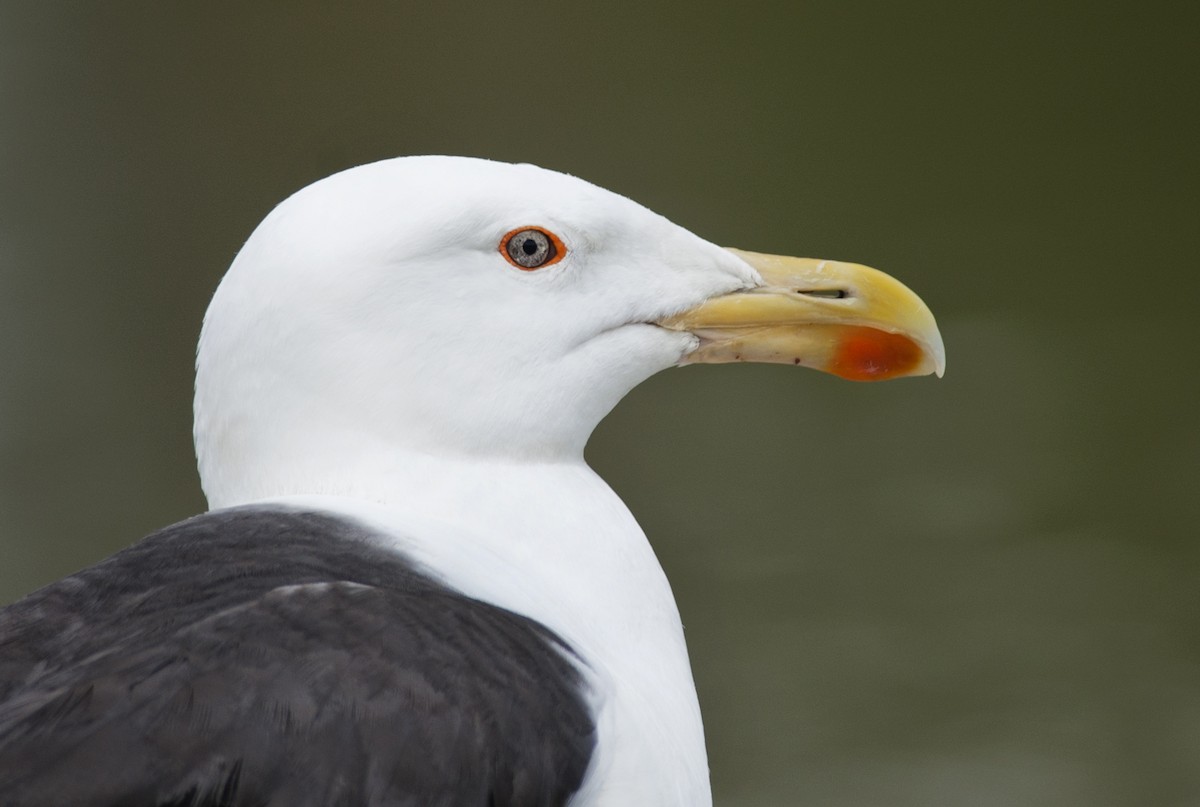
<point>978,591</point>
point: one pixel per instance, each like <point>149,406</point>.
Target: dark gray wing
<point>268,657</point>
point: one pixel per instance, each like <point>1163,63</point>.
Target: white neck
<point>552,541</point>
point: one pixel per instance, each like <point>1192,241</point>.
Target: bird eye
<point>532,248</point>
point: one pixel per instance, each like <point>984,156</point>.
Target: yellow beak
<point>843,318</point>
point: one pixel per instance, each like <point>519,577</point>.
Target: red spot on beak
<point>865,354</point>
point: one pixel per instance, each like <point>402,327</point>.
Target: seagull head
<point>467,308</point>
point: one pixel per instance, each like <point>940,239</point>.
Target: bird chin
<point>642,347</point>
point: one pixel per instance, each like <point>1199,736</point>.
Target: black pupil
<point>529,246</point>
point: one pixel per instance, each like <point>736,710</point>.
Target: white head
<point>376,313</point>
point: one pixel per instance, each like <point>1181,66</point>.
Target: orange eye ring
<point>531,248</point>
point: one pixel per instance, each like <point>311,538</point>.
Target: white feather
<point>372,353</point>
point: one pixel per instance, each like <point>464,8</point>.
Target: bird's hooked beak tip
<point>842,318</point>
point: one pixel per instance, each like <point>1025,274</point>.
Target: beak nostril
<point>825,294</point>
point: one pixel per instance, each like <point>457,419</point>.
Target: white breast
<point>553,542</point>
